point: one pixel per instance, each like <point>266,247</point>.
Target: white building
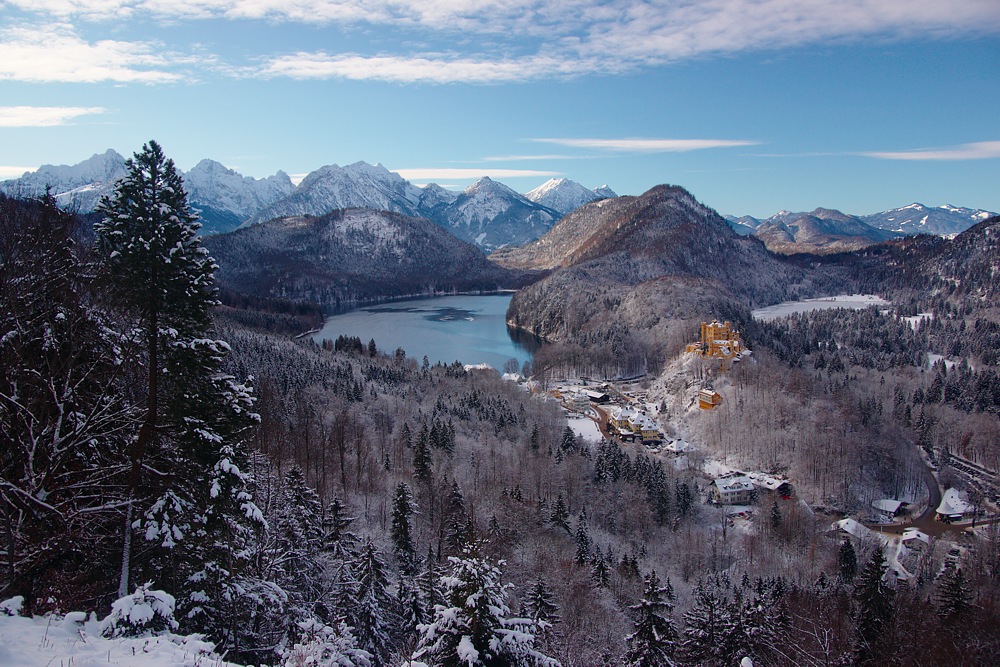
<point>734,490</point>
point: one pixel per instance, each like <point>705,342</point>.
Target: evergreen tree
<point>338,540</point>
<point>873,611</point>
<point>953,597</point>
<point>539,604</point>
<point>371,613</point>
<point>583,542</point>
<point>456,519</point>
<point>848,560</point>
<point>473,627</point>
<point>704,625</point>
<point>198,512</point>
<point>568,442</point>
<point>655,639</point>
<point>422,457</point>
<point>403,507</point>
<point>560,515</point>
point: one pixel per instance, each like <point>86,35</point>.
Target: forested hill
<point>350,255</point>
<point>960,269</point>
<point>642,266</point>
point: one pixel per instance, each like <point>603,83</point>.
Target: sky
<point>752,105</point>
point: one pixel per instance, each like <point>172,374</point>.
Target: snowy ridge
<point>359,185</point>
<point>77,187</point>
<point>564,195</point>
<point>213,183</point>
<point>945,220</point>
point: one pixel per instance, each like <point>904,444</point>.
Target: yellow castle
<point>719,341</point>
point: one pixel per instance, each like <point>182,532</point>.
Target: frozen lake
<point>854,301</point>
<point>469,329</point>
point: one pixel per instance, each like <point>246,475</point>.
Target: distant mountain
<point>226,198</point>
<point>821,232</point>
<point>744,225</point>
<point>76,187</point>
<point>919,219</point>
<point>350,256</point>
<point>223,197</point>
<point>491,215</point>
<point>358,185</point>
<point>487,213</point>
<point>564,195</point>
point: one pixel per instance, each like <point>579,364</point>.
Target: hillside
<point>629,272</point>
<point>348,256</point>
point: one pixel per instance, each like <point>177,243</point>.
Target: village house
<point>953,507</point>
<point>733,490</point>
<point>708,399</point>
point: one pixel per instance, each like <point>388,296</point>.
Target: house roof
<point>886,505</point>
<point>952,504</point>
<point>734,484</point>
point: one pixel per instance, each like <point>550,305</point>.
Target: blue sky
<point>752,105</point>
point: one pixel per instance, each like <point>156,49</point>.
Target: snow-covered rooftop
<point>953,504</point>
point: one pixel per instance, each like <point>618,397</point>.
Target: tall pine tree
<point>187,489</point>
<point>655,639</point>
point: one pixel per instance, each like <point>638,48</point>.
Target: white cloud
<point>432,173</point>
<point>980,150</point>
<point>25,116</point>
<point>556,38</point>
<point>649,145</point>
<point>420,69</point>
<point>518,158</point>
<point>13,172</point>
<point>54,53</point>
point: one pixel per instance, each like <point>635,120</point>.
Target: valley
<point>366,466</point>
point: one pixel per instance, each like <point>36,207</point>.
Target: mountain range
<point>825,231</point>
<point>487,213</point>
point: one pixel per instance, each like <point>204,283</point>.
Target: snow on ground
<point>914,321</point>
<point>583,426</point>
<point>853,301</point>
<point>76,640</point>
<point>934,358</point>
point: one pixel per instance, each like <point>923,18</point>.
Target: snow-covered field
<point>586,427</point>
<point>854,301</point>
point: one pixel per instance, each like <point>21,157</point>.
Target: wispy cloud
<point>55,53</point>
<point>433,68</point>
<point>431,173</point>
<point>980,150</point>
<point>648,145</point>
<point>520,158</point>
<point>25,116</point>
<point>544,39</point>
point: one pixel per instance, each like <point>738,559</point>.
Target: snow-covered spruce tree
<point>295,544</point>
<point>62,412</point>
<point>655,640</point>
<point>404,507</point>
<point>187,488</point>
<point>371,611</point>
<point>873,611</point>
<point>473,627</point>
<point>953,596</point>
<point>705,624</point>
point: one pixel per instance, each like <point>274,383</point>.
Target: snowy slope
<point>492,215</point>
<point>214,184</point>
<point>919,219</point>
<point>359,185</point>
<point>564,195</point>
<point>77,187</point>
<point>76,640</point>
